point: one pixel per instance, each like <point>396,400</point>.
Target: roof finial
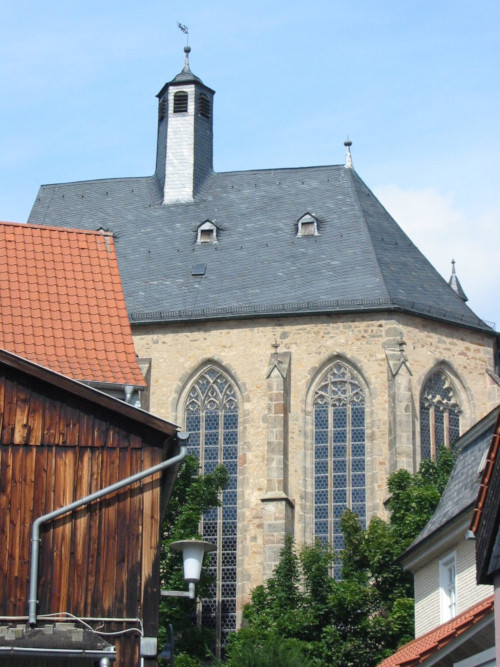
<point>454,283</point>
<point>348,158</point>
<point>187,51</point>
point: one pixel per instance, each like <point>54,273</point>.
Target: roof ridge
<point>350,173</point>
<point>98,180</point>
<point>71,230</point>
<point>271,169</point>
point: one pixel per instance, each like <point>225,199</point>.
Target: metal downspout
<point>35,532</point>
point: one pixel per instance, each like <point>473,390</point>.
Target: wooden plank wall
<point>94,562</point>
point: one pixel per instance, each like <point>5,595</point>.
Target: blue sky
<point>414,83</point>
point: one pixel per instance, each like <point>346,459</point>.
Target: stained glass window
<point>339,453</point>
<point>439,415</point>
<point>212,421</point>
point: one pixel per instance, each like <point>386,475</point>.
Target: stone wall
<point>392,354</point>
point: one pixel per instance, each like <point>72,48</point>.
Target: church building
<point>292,328</point>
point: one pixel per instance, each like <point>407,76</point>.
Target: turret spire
<point>454,283</point>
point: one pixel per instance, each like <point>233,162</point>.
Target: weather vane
<point>185,30</point>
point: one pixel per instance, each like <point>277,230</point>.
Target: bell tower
<point>184,155</point>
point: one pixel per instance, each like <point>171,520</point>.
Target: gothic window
<point>339,452</point>
<point>180,102</point>
<point>204,106</point>
<point>212,421</point>
<point>439,415</point>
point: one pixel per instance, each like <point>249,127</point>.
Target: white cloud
<point>443,232</point>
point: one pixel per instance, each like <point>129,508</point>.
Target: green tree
<point>364,617</point>
<point>192,496</point>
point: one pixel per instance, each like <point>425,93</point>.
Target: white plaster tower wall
<point>185,136</point>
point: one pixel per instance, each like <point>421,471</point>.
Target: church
<point>288,323</point>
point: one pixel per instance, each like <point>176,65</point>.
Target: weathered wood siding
<point>100,560</point>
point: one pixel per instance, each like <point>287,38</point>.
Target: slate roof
<point>361,260</point>
<point>419,650</point>
<point>462,489</point>
<point>485,521</point>
<point>486,477</point>
<point>62,305</point>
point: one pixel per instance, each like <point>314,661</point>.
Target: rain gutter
<point>35,532</point>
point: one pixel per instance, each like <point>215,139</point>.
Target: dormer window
<point>307,226</point>
<point>180,102</point>
<point>207,233</point>
<point>204,105</point>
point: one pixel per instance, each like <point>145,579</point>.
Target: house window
<point>212,422</point>
<point>204,106</point>
<point>339,453</point>
<point>180,102</point>
<point>307,226</point>
<point>439,415</point>
<point>448,588</point>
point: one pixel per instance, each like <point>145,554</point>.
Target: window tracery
<point>339,452</point>
<point>439,415</point>
<point>212,421</point>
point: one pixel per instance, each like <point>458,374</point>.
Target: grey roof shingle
<point>361,260</point>
<point>461,491</point>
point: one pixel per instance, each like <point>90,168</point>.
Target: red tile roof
<point>418,650</point>
<point>62,304</point>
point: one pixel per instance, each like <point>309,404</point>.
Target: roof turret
<point>454,283</point>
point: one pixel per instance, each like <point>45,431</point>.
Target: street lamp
<point>192,554</point>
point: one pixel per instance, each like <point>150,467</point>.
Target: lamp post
<point>192,555</point>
